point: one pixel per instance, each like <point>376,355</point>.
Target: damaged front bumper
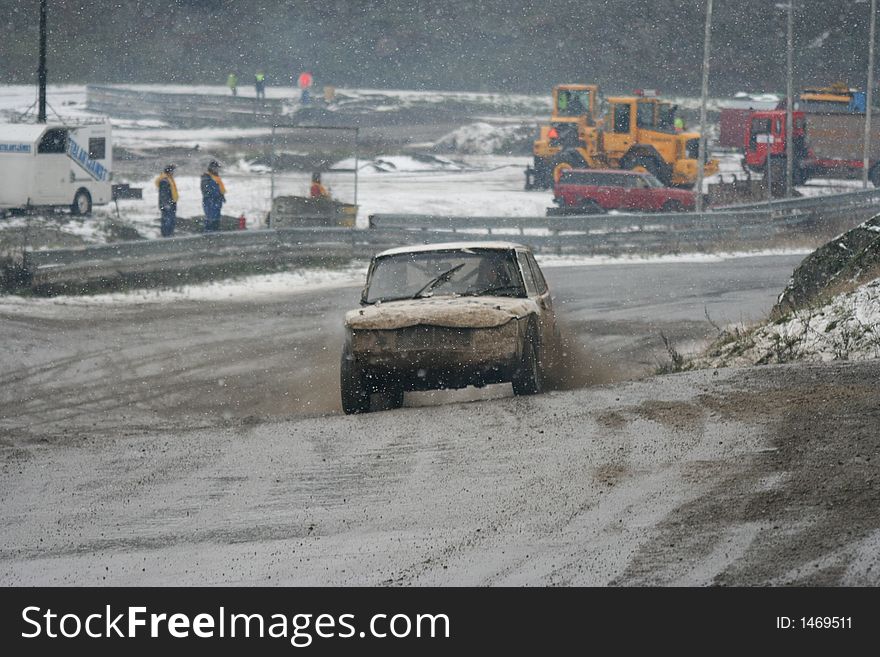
<point>429,357</point>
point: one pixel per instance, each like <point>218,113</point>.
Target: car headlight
<point>370,340</point>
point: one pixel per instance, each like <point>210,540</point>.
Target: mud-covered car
<point>447,316</point>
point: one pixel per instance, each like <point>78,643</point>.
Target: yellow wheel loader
<point>638,132</point>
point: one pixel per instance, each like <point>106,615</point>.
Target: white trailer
<point>51,165</point>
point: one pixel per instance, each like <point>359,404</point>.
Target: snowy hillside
<point>846,328</point>
<point>484,139</point>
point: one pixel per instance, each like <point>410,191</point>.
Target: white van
<point>46,165</point>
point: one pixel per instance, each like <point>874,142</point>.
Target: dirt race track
<point>735,478</point>
<point>184,443</point>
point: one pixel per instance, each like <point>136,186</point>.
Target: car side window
<point>526,270</point>
<point>537,275</point>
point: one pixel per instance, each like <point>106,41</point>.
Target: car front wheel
<point>82,204</point>
<point>355,398</point>
<point>529,380</point>
<point>590,206</point>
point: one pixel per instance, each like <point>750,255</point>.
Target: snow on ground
<point>480,186</point>
<point>67,100</point>
<point>248,288</point>
<point>246,195</point>
<point>550,260</point>
<point>482,138</point>
<point>504,103</point>
<point>399,164</point>
<point>464,184</point>
<point>141,137</point>
<point>245,288</point>
<point>86,228</point>
<point>846,328</point>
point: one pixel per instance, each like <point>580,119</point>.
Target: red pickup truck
<point>590,191</point>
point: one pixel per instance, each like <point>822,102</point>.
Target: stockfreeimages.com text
<point>300,629</point>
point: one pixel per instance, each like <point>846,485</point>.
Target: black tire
<point>673,206</point>
<point>393,396</point>
<point>82,203</point>
<point>570,159</point>
<point>540,175</point>
<point>529,378</point>
<point>589,206</point>
<point>355,396</point>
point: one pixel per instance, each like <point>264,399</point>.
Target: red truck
<point>591,191</point>
<point>825,145</point>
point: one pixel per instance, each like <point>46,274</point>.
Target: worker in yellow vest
<point>260,84</point>
<point>167,200</point>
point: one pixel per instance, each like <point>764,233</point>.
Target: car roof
<point>452,246</point>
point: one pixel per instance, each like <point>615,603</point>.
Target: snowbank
<point>400,164</point>
<point>846,328</point>
<point>244,289</point>
<point>484,139</point>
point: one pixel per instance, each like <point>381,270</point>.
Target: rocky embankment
<point>830,310</point>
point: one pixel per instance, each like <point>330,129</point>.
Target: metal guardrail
<point>572,223</point>
<point>185,258</point>
<point>182,109</point>
<point>218,255</point>
<point>865,197</point>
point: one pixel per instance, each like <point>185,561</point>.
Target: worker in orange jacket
<point>318,190</point>
<point>167,200</point>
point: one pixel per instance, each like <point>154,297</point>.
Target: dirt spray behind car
<point>569,365</point>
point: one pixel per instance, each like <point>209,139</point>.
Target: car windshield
<point>652,181</point>
<point>595,178</point>
<point>420,274</point>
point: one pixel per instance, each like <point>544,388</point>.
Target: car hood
<point>454,312</point>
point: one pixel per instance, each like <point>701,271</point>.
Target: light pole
<point>789,127</point>
<point>866,152</point>
<point>41,71</point>
<point>701,152</point>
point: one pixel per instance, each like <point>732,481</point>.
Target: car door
<point>537,289</point>
<point>609,196</point>
<point>641,196</point>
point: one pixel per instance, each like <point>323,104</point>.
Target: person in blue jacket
<point>213,196</point>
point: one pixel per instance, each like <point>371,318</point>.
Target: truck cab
<point>573,101</point>
<point>828,138</point>
<point>573,126</point>
<point>765,137</point>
